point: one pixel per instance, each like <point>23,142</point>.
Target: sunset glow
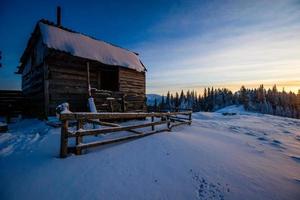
<point>184,44</point>
<point>244,44</point>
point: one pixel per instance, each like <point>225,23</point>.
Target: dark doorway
<point>108,80</point>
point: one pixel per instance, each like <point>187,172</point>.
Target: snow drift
<point>243,156</point>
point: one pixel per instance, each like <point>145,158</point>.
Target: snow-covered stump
<point>3,127</point>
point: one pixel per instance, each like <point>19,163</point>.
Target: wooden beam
<point>79,138</point>
<point>64,139</point>
<point>179,123</point>
<point>179,118</point>
<point>46,90</point>
<point>134,131</point>
<point>103,123</point>
<point>98,143</point>
<point>114,129</point>
<point>114,116</point>
<point>88,78</point>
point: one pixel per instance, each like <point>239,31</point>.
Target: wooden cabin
<point>54,70</point>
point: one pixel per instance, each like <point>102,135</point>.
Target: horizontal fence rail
<point>170,119</point>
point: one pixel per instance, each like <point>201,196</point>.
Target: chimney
<point>58,16</point>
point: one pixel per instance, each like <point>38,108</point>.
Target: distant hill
<point>151,98</point>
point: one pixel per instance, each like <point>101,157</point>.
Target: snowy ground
<point>244,156</point>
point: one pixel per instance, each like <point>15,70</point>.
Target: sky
<point>184,44</point>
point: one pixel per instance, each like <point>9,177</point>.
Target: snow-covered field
<point>243,156</point>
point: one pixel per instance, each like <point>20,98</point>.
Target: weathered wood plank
<point>105,116</point>
<point>103,123</point>
<point>98,143</point>
<point>114,129</point>
<point>64,139</point>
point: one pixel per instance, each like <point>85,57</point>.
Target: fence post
<point>78,137</point>
<point>168,122</point>
<point>190,118</point>
<point>152,120</point>
<point>64,139</point>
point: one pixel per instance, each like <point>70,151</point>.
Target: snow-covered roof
<point>83,46</point>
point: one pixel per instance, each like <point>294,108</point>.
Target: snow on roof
<point>86,47</point>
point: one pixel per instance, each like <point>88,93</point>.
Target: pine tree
<point>176,102</point>
<point>244,100</point>
<point>168,101</point>
<point>162,103</point>
<point>155,105</point>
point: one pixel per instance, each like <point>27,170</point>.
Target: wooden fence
<point>170,119</point>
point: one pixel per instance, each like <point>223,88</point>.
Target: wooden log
<point>110,130</point>
<point>99,143</point>
<point>179,123</point>
<point>135,131</point>
<point>114,116</point>
<point>64,139</point>
<point>104,123</point>
<point>152,120</point>
<point>79,138</point>
<point>168,123</point>
<point>179,118</point>
<point>46,91</point>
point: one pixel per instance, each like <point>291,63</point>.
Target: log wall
<point>33,91</point>
<point>63,78</point>
<point>33,80</point>
<point>133,85</point>
<point>68,83</point>
<point>11,102</point>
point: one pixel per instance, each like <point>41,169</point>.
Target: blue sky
<point>184,44</point>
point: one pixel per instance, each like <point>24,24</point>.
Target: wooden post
<point>123,103</point>
<point>78,138</point>
<point>168,122</point>
<point>152,120</point>
<point>88,78</point>
<point>46,90</point>
<point>99,80</point>
<point>190,118</point>
<point>64,139</point>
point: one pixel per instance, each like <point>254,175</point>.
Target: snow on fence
<point>170,119</point>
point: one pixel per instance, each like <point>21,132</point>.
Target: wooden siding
<point>132,84</point>
<point>33,91</point>
<point>67,82</point>
<point>33,80</point>
<point>11,102</point>
<point>63,78</point>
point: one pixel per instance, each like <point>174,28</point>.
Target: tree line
<point>267,101</point>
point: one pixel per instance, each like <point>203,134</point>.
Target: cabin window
<point>108,80</point>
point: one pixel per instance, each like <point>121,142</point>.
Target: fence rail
<point>170,119</point>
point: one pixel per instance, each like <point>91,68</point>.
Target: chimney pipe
<point>58,16</point>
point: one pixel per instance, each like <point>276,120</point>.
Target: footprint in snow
<point>286,132</point>
<point>262,138</point>
<point>208,190</point>
<point>297,180</point>
<point>297,138</point>
<point>250,133</point>
<point>295,158</point>
<point>277,144</point>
